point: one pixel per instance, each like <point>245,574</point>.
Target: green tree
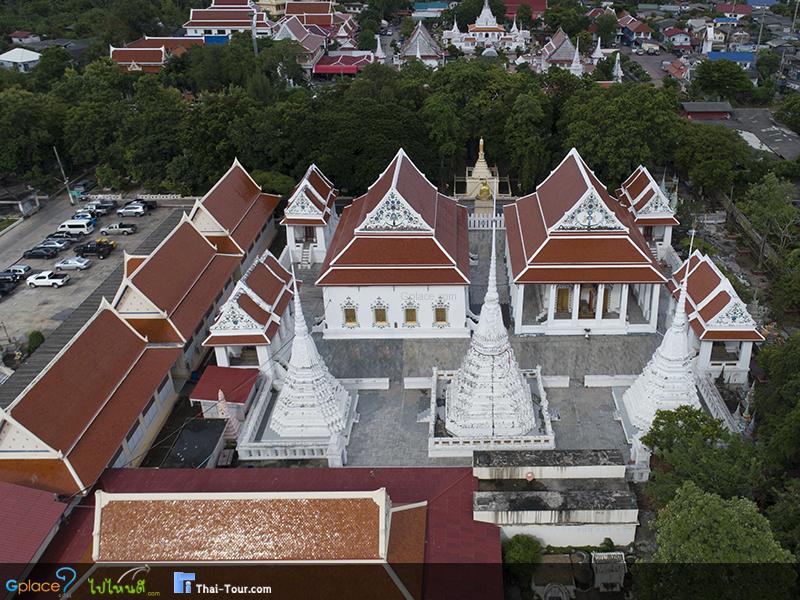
<point>698,527</point>
<point>568,15</point>
<point>721,80</point>
<point>768,63</point>
<point>619,128</point>
<point>446,130</point>
<point>151,131</point>
<point>273,182</point>
<point>521,554</point>
<point>784,515</point>
<point>524,16</point>
<point>607,28</point>
<point>786,286</point>
<point>526,140</point>
<point>711,155</point>
<point>49,69</point>
<point>768,205</point>
<point>789,112</point>
<point>690,445</point>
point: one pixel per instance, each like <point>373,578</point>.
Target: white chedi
<point>488,396</point>
<point>667,381</point>
<point>312,403</point>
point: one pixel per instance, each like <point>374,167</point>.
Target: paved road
<point>44,309</point>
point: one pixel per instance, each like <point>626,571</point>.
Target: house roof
<point>715,311</point>
<point>421,43</point>
<point>537,7</point>
<point>343,64</point>
<point>311,202</point>
<point>139,56</point>
<point>236,384</point>
<point>86,413</point>
<point>27,519</point>
<point>19,55</point>
<point>559,48</point>
<point>170,44</point>
<point>237,204</point>
<point>401,231</point>
<point>292,27</point>
<point>452,536</point>
<point>269,526</point>
<point>736,9</point>
<point>673,31</point>
<point>645,199</point>
<point>225,18</point>
<point>252,314</point>
<point>702,107</point>
<point>19,34</point>
<point>733,56</point>
<point>571,229</point>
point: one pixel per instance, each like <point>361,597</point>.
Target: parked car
<point>118,229</point>
<point>134,209</point>
<point>76,263</point>
<point>6,288</point>
<point>20,270</point>
<point>85,215</point>
<point>57,244</point>
<point>48,279</point>
<point>97,210</point>
<point>639,51</point>
<point>70,236</point>
<point>77,227</point>
<point>40,252</point>
<point>94,249</point>
<point>84,185</point>
<point>653,51</point>
<point>9,277</point>
<point>107,242</point>
<point>148,204</point>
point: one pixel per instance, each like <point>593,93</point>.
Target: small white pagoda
<point>313,414</point>
<point>488,402</point>
<point>666,383</point>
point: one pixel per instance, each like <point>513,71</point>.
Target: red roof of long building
<point>27,519</point>
<point>572,230</point>
<point>462,556</point>
<point>401,231</point>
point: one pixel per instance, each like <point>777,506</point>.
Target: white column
<point>667,235</point>
<point>623,304</point>
<point>551,303</point>
<point>655,295</point>
<point>519,293</point>
<point>576,302</point>
<point>265,361</point>
<point>290,243</point>
<point>221,354</point>
<point>704,357</point>
<point>598,309</point>
<point>745,351</point>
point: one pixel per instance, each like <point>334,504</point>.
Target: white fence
<point>667,253</point>
<point>117,197</point>
<point>162,197</point>
<point>714,402</point>
<point>488,222</point>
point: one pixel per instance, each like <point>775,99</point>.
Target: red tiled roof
<point>139,56</point>
<point>27,518</point>
<point>235,383</point>
<point>537,7</point>
<point>375,258</point>
<point>453,537</point>
<point>342,65</point>
<point>541,252</point>
<point>301,8</point>
<point>19,34</point>
<point>737,9</point>
<point>200,297</point>
<point>170,44</point>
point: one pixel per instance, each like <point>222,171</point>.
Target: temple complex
<point>485,33</point>
<point>652,210</point>
<point>420,46</point>
<point>577,262</point>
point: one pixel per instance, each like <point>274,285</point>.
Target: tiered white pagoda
<point>313,414</point>
<point>489,395</point>
<point>488,402</point>
<point>666,383</point>
<point>486,32</point>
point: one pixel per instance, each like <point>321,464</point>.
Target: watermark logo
<point>66,574</point>
<point>182,582</point>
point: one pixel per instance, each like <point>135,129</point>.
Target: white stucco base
<point>585,534</point>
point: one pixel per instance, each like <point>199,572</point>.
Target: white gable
<point>301,205</point>
<point>394,213</point>
<point>589,213</point>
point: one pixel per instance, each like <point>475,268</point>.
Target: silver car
<point>55,243</point>
<point>76,263</point>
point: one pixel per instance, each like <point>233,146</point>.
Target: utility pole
<point>64,175</point>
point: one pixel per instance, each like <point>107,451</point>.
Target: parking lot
<point>43,308</point>
<point>650,63</point>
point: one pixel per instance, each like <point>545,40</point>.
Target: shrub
<point>520,555</point>
<point>35,339</point>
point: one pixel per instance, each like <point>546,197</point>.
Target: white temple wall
<point>735,371</point>
<point>574,535</point>
<point>362,301</point>
<point>295,236</point>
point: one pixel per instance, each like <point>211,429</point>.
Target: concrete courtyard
<point>388,433</point>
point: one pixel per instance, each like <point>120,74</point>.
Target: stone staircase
<point>305,257</point>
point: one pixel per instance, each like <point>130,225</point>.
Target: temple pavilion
<point>578,263</point>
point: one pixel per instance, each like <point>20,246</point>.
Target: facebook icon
<point>182,582</point>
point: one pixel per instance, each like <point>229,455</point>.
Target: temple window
<point>440,315</point>
<point>380,317</point>
<point>350,317</point>
<point>411,316</point>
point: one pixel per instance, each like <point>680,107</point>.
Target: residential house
<point>634,31</point>
<point>734,10</point>
<point>678,38</point>
<point>23,37</point>
<point>745,60</point>
<point>19,59</point>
